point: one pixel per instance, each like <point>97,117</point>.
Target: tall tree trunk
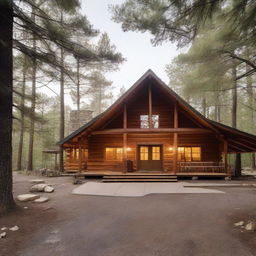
<point>100,99</point>
<point>238,167</point>
<point>204,105</point>
<point>62,106</point>
<point>78,91</point>
<point>78,85</point>
<point>250,104</point>
<point>33,105</point>
<point>6,28</point>
<point>234,97</point>
<point>20,147</point>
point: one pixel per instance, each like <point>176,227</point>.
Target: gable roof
<point>215,126</point>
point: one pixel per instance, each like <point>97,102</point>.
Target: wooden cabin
<point>152,129</point>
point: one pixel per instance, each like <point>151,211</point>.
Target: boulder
<point>38,188</point>
<point>3,228</point>
<point>14,228</point>
<point>37,181</point>
<point>3,235</point>
<point>240,223</point>
<point>250,226</point>
<point>41,200</point>
<point>27,197</point>
<point>48,189</point>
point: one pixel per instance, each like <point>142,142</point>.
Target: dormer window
<point>144,121</point>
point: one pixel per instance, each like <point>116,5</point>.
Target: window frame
<point>115,159</point>
<point>191,153</point>
<point>147,121</point>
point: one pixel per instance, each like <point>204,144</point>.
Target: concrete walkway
<point>130,189</point>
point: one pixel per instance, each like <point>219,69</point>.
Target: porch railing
<point>214,167</point>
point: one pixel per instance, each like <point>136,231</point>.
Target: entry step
<point>140,178</point>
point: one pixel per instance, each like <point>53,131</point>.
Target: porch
<point>149,175</point>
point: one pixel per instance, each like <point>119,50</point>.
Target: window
<point>144,121</point>
<point>114,154</point>
<point>143,153</point>
<point>155,153</point>
<point>188,154</point>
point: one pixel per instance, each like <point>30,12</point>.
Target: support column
<point>175,151</point>
<point>225,152</point>
<point>175,137</point>
<point>80,156</point>
<point>125,139</point>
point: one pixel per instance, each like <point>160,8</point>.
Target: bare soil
<point>153,225</point>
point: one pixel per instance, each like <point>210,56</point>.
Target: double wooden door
<point>150,157</point>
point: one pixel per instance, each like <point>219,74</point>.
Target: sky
<point>135,47</point>
<point>140,54</point>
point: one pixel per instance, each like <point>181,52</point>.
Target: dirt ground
<point>153,225</point>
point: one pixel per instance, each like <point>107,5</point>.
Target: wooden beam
<point>175,115</point>
<point>250,142</point>
<point>150,107</point>
<point>125,117</point>
<point>154,130</point>
<point>80,156</point>
<point>252,149</point>
<point>125,151</point>
<point>225,152</point>
<point>175,151</point>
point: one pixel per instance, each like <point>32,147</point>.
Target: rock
<point>240,223</point>
<point>41,200</point>
<point>14,228</point>
<point>48,189</point>
<point>3,228</point>
<point>227,178</point>
<point>3,235</point>
<point>27,197</point>
<point>38,188</point>
<point>250,226</point>
<point>37,181</point>
<point>25,207</point>
<point>194,178</point>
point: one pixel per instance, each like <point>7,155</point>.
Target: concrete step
<point>139,177</point>
<point>139,180</point>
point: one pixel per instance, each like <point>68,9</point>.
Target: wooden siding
<point>98,143</point>
<point>210,146</point>
<point>136,106</point>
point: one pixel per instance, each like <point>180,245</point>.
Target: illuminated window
<point>77,153</point>
<point>188,154</point>
<point>143,153</point>
<point>155,153</point>
<point>144,121</point>
<point>114,154</point>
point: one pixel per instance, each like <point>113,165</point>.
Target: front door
<point>150,157</point>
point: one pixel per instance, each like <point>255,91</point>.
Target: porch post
<point>80,155</point>
<point>125,139</point>
<point>175,137</point>
<point>150,107</point>
<point>225,151</point>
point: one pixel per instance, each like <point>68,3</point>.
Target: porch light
<point>128,149</point>
<point>170,148</point>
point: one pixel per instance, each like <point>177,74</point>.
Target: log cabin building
<point>150,129</point>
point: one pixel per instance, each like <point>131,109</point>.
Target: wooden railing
<point>215,167</point>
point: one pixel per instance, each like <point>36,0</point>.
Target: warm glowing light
<point>128,149</point>
<point>170,148</point>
